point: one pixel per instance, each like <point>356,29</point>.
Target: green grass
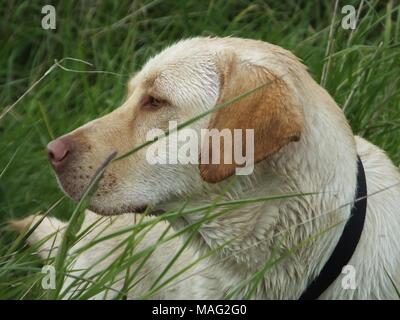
<point>359,68</point>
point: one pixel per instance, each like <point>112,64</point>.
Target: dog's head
<point>183,81</point>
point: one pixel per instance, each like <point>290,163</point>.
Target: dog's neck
<point>323,163</point>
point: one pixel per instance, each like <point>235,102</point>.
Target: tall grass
<point>360,68</point>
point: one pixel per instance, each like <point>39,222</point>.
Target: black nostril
<point>50,154</point>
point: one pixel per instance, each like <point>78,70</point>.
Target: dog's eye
<point>154,103</point>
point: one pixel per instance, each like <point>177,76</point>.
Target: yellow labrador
<point>302,144</point>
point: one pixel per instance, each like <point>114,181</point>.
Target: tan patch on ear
<point>269,111</point>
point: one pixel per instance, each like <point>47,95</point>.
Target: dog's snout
<point>58,151</point>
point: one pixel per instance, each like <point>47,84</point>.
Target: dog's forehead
<point>186,68</point>
<point>183,56</point>
<point>183,52</point>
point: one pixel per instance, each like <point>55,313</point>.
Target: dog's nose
<point>58,151</point>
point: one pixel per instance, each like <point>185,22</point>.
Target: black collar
<point>347,244</point>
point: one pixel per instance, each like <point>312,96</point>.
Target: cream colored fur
<point>323,161</point>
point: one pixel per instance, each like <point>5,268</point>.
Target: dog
<point>303,145</point>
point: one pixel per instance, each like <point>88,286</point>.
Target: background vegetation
<point>360,68</point>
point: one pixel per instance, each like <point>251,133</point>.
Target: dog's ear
<point>268,110</point>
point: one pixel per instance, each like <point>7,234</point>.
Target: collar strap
<point>347,244</point>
